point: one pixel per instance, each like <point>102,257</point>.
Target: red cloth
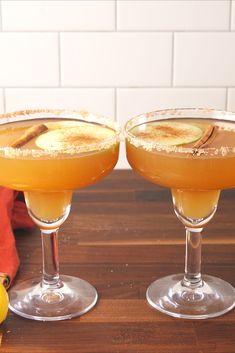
<point>13,215</point>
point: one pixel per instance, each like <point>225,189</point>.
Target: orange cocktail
<point>49,172</point>
<point>195,178</point>
<point>48,154</point>
<point>192,152</point>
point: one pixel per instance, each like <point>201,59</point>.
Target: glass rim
<point>81,115</point>
<point>174,113</point>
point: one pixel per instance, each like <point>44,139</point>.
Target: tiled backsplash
<point>117,58</point>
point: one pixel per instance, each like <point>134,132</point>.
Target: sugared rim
<point>185,113</point>
<point>81,115</point>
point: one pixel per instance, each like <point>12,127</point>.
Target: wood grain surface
<point>121,235</point>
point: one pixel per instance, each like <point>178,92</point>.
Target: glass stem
<point>192,275</point>
<point>50,258</point>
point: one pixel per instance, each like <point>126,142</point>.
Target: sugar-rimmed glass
<point>195,179</point>
<point>48,178</point>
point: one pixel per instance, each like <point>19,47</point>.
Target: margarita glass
<point>192,152</point>
<point>73,150</point>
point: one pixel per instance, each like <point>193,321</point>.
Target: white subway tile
<point>116,59</point>
<point>58,15</point>
<point>231,99</point>
<point>100,101</point>
<point>28,59</point>
<point>1,101</point>
<point>132,102</point>
<point>204,59</point>
<point>173,15</point>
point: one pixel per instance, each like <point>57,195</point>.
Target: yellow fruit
<point>3,303</point>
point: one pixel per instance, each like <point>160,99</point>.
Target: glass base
<point>34,300</point>
<point>214,298</point>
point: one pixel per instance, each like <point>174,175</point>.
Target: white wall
<point>117,58</point>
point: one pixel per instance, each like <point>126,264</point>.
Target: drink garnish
<point>171,133</point>
<point>66,134</point>
<point>209,133</point>
<point>29,134</point>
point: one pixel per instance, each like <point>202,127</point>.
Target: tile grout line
<point>115,88</point>
<point>172,59</point>
<point>115,16</point>
<point>59,60</point>
<point>4,99</point>
<point>1,27</point>
<point>230,15</point>
<point>3,89</point>
<point>163,87</point>
<point>115,104</point>
<point>230,29</point>
<point>226,99</point>
<point>138,31</point>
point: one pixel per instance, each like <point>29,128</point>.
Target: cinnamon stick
<point>29,134</point>
<point>206,137</point>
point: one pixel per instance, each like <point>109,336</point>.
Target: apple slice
<point>170,133</point>
<point>66,134</point>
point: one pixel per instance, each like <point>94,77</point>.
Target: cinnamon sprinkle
<point>206,137</point>
<point>166,132</point>
<point>29,134</point>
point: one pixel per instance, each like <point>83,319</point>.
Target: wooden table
<point>120,236</point>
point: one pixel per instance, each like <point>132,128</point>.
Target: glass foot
<point>32,300</point>
<point>214,298</point>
